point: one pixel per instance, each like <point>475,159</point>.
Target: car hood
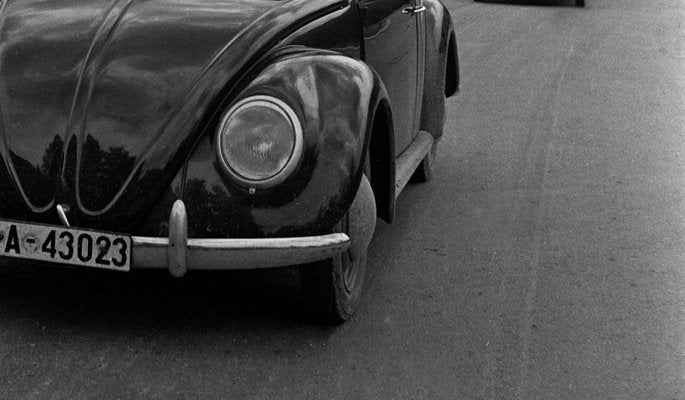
<point>101,100</point>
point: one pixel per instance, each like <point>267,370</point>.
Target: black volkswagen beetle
<point>217,134</point>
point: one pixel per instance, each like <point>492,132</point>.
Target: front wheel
<point>331,288</point>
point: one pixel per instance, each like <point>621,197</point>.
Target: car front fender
<point>335,98</point>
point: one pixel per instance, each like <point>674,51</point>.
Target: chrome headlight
<point>259,141</point>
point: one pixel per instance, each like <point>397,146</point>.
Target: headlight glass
<point>259,141</point>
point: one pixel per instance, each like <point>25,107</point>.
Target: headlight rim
<point>284,109</point>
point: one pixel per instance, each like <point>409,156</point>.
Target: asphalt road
<point>545,261</point>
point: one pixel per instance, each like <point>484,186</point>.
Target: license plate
<point>65,245</point>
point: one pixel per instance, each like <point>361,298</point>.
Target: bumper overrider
<point>178,253</point>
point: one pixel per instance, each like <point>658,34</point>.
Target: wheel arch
<point>441,78</point>
<point>381,153</point>
<point>452,78</point>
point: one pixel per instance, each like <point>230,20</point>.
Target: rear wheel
<point>331,288</point>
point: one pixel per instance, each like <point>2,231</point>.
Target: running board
<point>410,159</point>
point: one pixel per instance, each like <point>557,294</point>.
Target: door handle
<point>414,10</point>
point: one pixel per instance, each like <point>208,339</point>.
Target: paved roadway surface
<point>546,260</point>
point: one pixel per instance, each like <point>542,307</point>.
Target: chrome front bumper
<point>178,253</point>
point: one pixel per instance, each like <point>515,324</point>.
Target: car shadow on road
<point>540,3</point>
<point>65,300</point>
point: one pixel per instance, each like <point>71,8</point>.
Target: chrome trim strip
<point>62,214</point>
<point>414,10</point>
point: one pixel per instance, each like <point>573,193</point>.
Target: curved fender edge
<point>442,67</point>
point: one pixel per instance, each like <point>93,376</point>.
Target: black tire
<point>580,3</point>
<point>331,288</point>
<point>327,299</point>
<point>424,172</point>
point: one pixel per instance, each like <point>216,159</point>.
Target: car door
<point>394,46</point>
